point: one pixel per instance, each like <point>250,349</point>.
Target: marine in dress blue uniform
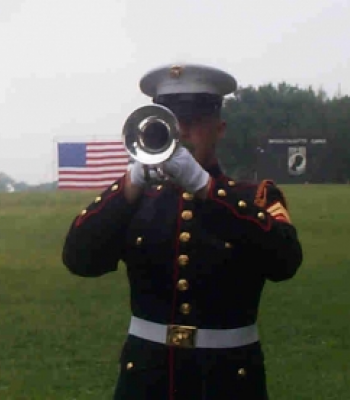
<point>197,258</point>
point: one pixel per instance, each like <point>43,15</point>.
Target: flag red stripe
<point>101,150</point>
<point>63,179</point>
<point>85,187</point>
<point>116,157</point>
<point>104,143</point>
<point>107,171</point>
<point>113,164</point>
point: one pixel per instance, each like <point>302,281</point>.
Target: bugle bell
<point>151,136</point>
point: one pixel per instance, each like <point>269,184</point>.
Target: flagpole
<point>53,159</point>
<point>54,156</point>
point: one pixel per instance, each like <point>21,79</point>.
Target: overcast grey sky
<point>70,68</point>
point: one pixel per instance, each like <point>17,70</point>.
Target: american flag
<point>90,165</point>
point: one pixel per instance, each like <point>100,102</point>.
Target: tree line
<point>255,115</point>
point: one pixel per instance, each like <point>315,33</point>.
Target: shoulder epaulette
<point>261,192</point>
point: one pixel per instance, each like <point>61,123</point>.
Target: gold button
<point>261,215</point>
<point>242,372</point>
<point>83,212</point>
<point>98,199</point>
<point>129,365</point>
<point>182,285</point>
<point>242,204</point>
<point>185,308</point>
<point>187,196</point>
<point>228,245</point>
<point>115,187</point>
<point>221,193</point>
<point>185,237</point>
<point>159,187</point>
<point>231,183</point>
<point>186,215</point>
<point>183,259</point>
<point>139,240</point>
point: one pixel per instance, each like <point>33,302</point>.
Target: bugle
<point>151,135</point>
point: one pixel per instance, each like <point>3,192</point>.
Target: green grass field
<point>60,335</point>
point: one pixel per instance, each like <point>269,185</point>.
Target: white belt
<point>190,336</point>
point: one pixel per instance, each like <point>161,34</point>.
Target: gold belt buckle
<point>181,336</point>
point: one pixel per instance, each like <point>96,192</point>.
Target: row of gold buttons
<point>183,259</point>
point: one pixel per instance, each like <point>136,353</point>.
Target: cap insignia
<point>175,71</point>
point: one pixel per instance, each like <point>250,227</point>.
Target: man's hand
<point>135,182</point>
<point>186,172</point>
<point>182,169</point>
<point>137,175</point>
